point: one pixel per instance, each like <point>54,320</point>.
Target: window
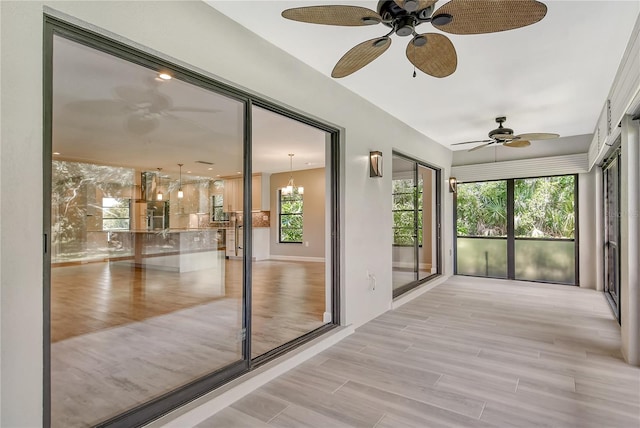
<point>115,214</point>
<point>522,229</point>
<point>290,209</point>
<point>217,202</point>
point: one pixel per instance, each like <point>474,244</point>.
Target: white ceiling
<point>552,76</point>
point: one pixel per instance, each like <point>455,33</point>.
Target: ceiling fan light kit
<point>403,16</point>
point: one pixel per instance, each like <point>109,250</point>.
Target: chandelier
<point>291,187</point>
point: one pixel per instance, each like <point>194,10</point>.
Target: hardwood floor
<point>470,353</point>
<point>122,336</point>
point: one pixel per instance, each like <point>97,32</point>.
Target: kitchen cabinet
<point>234,192</point>
<point>260,192</point>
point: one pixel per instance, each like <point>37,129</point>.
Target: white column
<point>630,256</point>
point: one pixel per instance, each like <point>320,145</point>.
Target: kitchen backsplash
<point>260,219</point>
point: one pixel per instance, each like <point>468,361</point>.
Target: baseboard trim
<point>418,291</point>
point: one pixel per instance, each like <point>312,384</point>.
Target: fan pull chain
<point>414,71</point>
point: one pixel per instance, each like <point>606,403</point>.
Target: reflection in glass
<point>427,222</point>
<point>414,208</point>
<point>405,221</point>
<point>142,297</point>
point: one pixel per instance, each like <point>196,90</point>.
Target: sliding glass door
<point>611,223</point>
<point>416,223</point>
<point>162,279</point>
<point>521,229</point>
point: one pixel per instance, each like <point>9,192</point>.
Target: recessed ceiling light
<point>188,172</point>
<point>164,76</point>
<point>210,169</point>
<point>218,175</point>
<point>56,153</point>
<point>238,172</point>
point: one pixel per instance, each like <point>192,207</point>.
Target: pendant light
<point>290,187</point>
<point>180,193</point>
<point>159,195</point>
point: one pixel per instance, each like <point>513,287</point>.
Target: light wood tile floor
<point>469,353</point>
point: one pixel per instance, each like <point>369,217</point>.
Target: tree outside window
<point>290,211</point>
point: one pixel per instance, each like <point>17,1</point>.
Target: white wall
<point>195,35</point>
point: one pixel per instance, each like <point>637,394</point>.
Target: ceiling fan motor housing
<point>400,19</point>
<point>501,133</point>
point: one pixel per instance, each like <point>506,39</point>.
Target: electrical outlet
<point>372,281</point>
<point>306,244</point>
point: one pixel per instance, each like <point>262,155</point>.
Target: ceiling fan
<point>504,136</point>
<point>431,53</point>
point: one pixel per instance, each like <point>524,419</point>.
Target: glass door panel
<point>406,220</point>
<point>290,254</point>
<point>611,177</point>
<point>481,244</point>
<point>544,223</point>
<point>427,222</point>
<point>143,300</point>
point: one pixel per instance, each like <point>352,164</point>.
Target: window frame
<point>296,214</point>
<point>106,208</point>
<point>511,238</point>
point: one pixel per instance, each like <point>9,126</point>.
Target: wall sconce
<point>375,164</point>
<point>453,185</point>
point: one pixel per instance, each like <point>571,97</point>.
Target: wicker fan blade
<point>538,136</point>
<point>422,4</point>
<point>437,57</point>
<point>350,16</point>
<point>517,143</point>
<point>479,147</point>
<point>360,55</point>
<point>489,16</point>
<point>472,142</point>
